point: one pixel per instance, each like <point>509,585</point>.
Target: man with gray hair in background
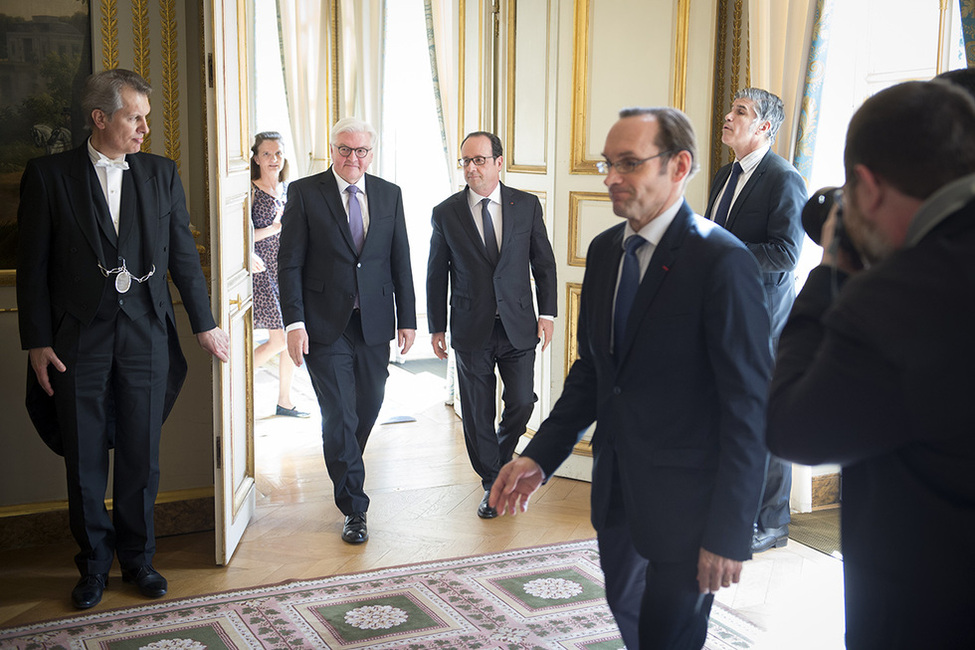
<point>759,199</point>
<point>346,291</point>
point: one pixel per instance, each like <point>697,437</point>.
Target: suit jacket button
<point>617,390</point>
<point>358,265</point>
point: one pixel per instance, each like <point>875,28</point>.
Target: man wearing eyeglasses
<point>346,291</point>
<point>488,242</point>
<point>673,368</point>
<point>759,198</point>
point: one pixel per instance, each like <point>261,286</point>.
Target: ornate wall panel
<point>590,213</point>
<point>150,37</point>
<point>632,55</point>
<point>527,131</point>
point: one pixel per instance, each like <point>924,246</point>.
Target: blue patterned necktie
<point>355,217</point>
<point>490,240</point>
<point>721,214</point>
<point>626,293</point>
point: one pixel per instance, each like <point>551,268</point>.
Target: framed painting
<point>45,57</point>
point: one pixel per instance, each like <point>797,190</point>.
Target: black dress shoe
<point>485,511</point>
<point>150,582</point>
<point>355,531</point>
<point>292,412</point>
<point>764,539</point>
<point>88,592</point>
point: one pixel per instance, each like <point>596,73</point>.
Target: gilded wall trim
<point>580,90</point>
<point>573,297</point>
<point>480,64</point>
<point>461,68</point>
<point>727,75</point>
<point>170,79</point>
<point>679,83</point>
<point>512,71</point>
<point>575,254</point>
<point>140,51</point>
<point>581,44</point>
<point>109,29</point>
<point>336,49</point>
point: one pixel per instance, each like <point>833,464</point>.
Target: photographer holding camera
<point>875,363</point>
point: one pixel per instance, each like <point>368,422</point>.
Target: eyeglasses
<point>626,165</point>
<point>477,160</point>
<point>345,152</point>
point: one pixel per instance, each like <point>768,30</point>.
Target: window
<point>412,146</point>
<point>873,44</point>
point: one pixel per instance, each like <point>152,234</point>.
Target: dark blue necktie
<point>490,240</point>
<point>626,293</point>
<point>721,214</point>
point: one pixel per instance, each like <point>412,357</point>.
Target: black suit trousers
<point>656,604</point>
<point>112,391</point>
<point>488,449</point>
<point>349,378</point>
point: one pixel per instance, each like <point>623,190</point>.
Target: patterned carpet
<point>544,597</point>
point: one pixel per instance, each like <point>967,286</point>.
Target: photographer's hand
<point>834,254</point>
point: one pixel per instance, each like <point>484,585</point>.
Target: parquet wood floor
<point>424,497</point>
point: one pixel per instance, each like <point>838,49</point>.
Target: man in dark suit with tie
<point>759,198</point>
<point>673,368</point>
<point>346,291</point>
<point>489,240</point>
<point>100,226</point>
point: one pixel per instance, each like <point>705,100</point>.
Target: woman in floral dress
<point>268,172</point>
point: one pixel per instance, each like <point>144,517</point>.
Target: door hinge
<point>210,69</point>
<point>217,455</point>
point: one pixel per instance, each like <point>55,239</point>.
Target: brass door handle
<point>235,302</point>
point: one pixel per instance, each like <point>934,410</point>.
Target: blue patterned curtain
<point>967,8</point>
<point>815,70</point>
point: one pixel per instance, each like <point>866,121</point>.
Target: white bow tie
<point>118,164</point>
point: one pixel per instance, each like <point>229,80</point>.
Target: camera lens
<point>816,211</point>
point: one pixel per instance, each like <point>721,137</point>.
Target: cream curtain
<point>442,33</point>
<point>779,37</point>
<point>306,57</point>
<point>362,43</point>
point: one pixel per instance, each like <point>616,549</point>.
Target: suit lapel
<point>509,215</point>
<point>753,182</point>
<point>83,200</point>
<point>601,300</point>
<point>138,203</point>
<point>330,193</point>
<point>719,180</point>
<point>661,262</point>
<point>463,213</point>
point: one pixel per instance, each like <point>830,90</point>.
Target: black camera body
<point>815,213</point>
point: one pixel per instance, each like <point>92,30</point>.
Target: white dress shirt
<point>653,232</point>
<point>748,165</point>
<point>364,208</point>
<point>361,196</point>
<point>494,208</point>
<point>110,180</point>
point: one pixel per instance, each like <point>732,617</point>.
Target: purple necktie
<point>355,218</point>
<point>721,214</point>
